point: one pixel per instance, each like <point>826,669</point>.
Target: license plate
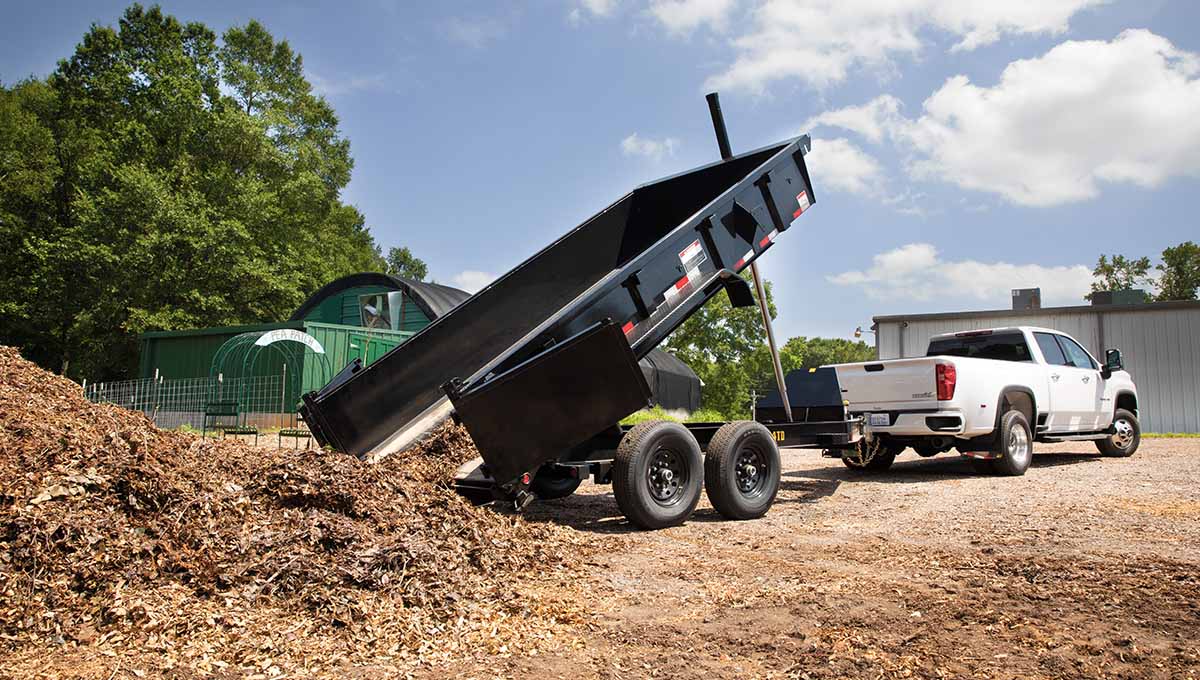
<point>878,419</point>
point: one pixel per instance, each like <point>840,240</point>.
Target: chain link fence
<point>261,400</point>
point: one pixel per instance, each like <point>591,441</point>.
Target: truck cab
<point>960,393</point>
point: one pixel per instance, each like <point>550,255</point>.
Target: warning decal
<point>802,199</point>
<point>692,256</point>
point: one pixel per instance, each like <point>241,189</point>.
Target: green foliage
<point>160,180</point>
<point>1180,272</point>
<point>727,348</point>
<point>659,413</point>
<point>401,262</point>
<point>715,342</point>
<point>1119,273</point>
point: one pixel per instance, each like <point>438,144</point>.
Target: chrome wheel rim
<point>666,477</point>
<point>1018,444</point>
<point>1123,434</point>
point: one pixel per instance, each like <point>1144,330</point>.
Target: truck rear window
<point>999,346</point>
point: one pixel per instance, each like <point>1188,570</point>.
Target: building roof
<point>433,299</point>
<point>1078,309</point>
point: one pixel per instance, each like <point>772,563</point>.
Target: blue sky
<point>961,147</point>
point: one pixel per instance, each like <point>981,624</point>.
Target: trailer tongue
<point>544,359</point>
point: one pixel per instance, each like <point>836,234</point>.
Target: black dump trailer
<point>541,364</point>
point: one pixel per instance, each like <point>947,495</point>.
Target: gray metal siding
<point>1161,349</point>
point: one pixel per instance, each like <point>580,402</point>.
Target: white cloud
<point>472,281</point>
<point>333,87</point>
<point>820,41</point>
<point>595,8</point>
<point>685,16</point>
<point>655,149</point>
<point>842,166</point>
<point>1055,128</point>
<point>476,32</point>
<point>917,272</point>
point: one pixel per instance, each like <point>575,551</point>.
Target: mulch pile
<point>124,544</point>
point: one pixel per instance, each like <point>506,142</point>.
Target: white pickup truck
<point>991,394</point>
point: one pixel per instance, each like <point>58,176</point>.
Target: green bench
<point>297,433</point>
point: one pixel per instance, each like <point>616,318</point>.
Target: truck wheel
<point>741,470</point>
<point>1013,445</point>
<point>873,457</point>
<point>657,474</point>
<point>1126,438</point>
<point>552,482</point>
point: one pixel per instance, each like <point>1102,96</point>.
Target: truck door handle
<point>1055,377</point>
<point>1087,378</point>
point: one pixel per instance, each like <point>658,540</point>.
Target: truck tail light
<point>947,378</point>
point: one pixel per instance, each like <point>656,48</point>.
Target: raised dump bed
<point>545,358</point>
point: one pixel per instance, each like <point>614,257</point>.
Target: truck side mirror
<point>1112,361</point>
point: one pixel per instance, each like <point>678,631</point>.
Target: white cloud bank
<point>820,41</point>
<point>472,281</point>
<point>684,16</point>
<point>1054,129</point>
<point>647,147</point>
<point>842,166</point>
<point>917,272</point>
<point>594,8</point>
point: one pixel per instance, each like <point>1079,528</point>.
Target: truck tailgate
<point>895,385</point>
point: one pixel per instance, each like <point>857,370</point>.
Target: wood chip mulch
<point>125,548</point>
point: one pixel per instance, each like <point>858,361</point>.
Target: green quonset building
<point>361,316</point>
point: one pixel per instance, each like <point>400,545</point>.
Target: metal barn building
<point>1160,342</point>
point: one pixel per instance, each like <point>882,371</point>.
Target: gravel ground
<point>1086,567</point>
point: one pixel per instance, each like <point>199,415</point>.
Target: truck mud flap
<point>553,401</point>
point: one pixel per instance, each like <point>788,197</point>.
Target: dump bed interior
<point>567,287</point>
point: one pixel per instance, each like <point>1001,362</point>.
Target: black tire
<point>657,474</point>
<point>553,482</point>
<point>741,470</point>
<point>1125,441</point>
<point>880,457</point>
<point>1013,445</point>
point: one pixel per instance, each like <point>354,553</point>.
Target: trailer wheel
<point>1013,445</point>
<point>741,470</point>
<point>657,474</point>
<point>552,482</point>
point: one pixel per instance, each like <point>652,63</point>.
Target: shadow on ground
<point>911,470</point>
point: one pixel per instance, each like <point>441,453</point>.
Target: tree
<point>1119,273</point>
<point>401,262</point>
<point>715,342</point>
<point>158,180</point>
<point>1180,272</point>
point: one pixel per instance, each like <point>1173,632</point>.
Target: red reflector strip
<point>739,263</point>
<point>681,283</point>
<point>799,212</point>
<point>765,240</point>
<point>627,327</point>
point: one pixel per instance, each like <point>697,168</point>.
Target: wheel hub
<point>1123,435</point>
<point>1018,444</point>
<point>666,477</point>
<point>751,471</point>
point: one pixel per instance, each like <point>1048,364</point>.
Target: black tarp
<point>674,384</point>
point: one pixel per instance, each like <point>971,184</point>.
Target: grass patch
<point>704,415</point>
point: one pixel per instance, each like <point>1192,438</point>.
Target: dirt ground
<point>1086,567</point>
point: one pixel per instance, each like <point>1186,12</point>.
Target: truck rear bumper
<point>924,424</point>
